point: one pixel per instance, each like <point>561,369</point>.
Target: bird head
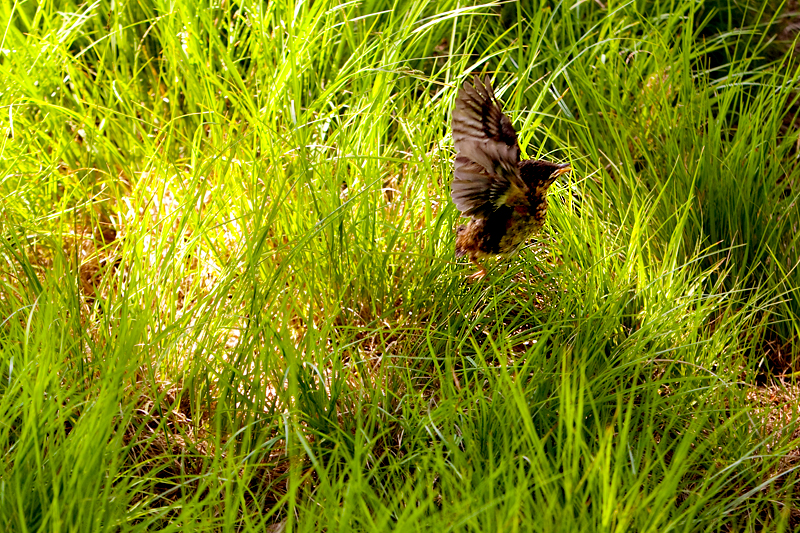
<point>539,174</point>
<point>556,170</point>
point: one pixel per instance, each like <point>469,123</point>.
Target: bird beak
<point>560,170</point>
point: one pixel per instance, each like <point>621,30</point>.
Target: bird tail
<point>460,252</point>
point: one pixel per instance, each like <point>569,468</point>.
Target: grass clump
<point>230,302</point>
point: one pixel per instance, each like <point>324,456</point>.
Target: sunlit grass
<point>230,301</point>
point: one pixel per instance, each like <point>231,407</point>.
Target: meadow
<point>229,299</point>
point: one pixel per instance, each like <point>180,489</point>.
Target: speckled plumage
<point>505,197</point>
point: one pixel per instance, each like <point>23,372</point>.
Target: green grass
<point>228,295</point>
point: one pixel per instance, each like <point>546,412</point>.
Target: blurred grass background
<point>228,294</point>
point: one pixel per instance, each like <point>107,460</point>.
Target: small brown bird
<point>505,198</point>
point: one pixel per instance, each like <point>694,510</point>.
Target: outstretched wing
<point>487,160</point>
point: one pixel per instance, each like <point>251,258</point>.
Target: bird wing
<point>487,160</point>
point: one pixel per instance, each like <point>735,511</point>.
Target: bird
<point>504,197</point>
